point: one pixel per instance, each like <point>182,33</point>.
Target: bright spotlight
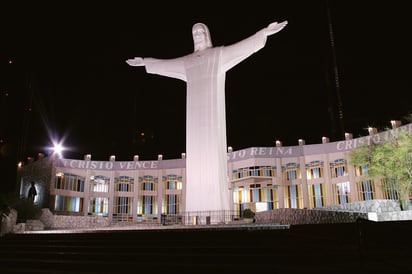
<point>58,149</point>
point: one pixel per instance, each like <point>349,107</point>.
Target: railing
<point>209,217</point>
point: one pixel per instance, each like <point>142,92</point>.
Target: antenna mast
<point>336,73</point>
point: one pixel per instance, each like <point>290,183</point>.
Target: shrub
<point>26,210</point>
<point>248,213</point>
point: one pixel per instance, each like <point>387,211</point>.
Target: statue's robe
<point>207,186</point>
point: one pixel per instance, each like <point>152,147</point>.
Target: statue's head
<point>201,37</point>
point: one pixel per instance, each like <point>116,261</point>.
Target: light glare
<point>58,149</point>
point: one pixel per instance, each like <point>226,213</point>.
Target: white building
<point>261,178</point>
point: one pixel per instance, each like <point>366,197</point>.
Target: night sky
<point>64,76</point>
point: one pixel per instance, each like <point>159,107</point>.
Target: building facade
<point>260,178</point>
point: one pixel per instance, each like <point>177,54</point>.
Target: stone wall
<point>390,216</point>
<point>378,206</point>
<point>294,216</point>
<point>32,225</point>
<point>50,221</point>
<point>70,222</point>
<point>374,210</point>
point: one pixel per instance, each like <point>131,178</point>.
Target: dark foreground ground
<point>365,247</point>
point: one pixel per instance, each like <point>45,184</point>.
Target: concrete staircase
<point>364,247</point>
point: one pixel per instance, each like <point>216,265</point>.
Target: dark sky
<point>69,80</point>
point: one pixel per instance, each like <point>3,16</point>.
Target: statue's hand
<point>275,27</point>
<point>136,62</point>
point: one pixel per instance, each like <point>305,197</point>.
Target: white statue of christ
<point>204,70</point>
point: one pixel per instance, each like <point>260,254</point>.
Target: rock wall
<point>294,216</point>
<point>69,222</point>
<point>375,210</point>
<point>378,206</point>
<point>50,221</point>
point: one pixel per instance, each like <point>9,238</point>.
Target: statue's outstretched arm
<point>136,62</point>
<point>275,27</point>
